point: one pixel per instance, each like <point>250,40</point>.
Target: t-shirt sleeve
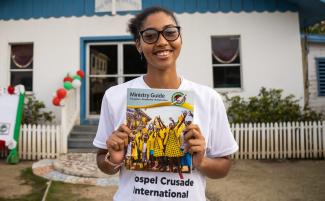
<point>221,141</point>
<point>105,125</point>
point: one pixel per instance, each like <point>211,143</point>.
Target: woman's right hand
<point>117,143</point>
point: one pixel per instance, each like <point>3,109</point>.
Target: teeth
<point>163,53</point>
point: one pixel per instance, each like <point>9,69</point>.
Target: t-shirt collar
<point>181,86</point>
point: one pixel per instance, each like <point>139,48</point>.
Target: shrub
<point>268,106</point>
<point>33,112</point>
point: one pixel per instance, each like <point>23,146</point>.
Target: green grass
<point>57,192</point>
<point>63,191</point>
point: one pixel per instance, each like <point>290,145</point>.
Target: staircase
<point>81,139</point>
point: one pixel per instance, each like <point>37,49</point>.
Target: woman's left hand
<point>196,144</point>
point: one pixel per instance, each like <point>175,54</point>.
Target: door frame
<point>83,53</point>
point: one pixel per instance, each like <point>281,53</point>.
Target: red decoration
<point>80,73</point>
<point>2,144</point>
<point>56,101</point>
<point>67,79</point>
<point>11,90</point>
<point>61,93</point>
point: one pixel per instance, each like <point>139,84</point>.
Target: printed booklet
<point>157,119</point>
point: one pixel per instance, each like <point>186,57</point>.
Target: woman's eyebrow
<point>166,26</point>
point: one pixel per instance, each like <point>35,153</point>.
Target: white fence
<point>41,141</point>
<point>256,141</point>
<point>280,140</point>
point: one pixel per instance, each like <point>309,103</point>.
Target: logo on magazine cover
<point>178,98</point>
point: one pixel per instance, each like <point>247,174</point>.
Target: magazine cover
<point>157,119</point>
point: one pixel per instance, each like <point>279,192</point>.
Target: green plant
<point>268,106</point>
<point>33,112</point>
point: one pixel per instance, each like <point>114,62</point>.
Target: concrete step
<point>89,136</point>
<point>82,132</point>
<point>84,150</point>
<point>81,139</point>
<point>80,143</point>
<point>90,128</point>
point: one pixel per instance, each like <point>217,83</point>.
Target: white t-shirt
<point>209,115</point>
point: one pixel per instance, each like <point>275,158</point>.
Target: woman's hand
<point>196,144</point>
<point>117,143</point>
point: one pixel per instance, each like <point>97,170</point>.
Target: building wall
<point>316,102</point>
<point>270,48</point>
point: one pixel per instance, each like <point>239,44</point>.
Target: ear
<point>138,45</point>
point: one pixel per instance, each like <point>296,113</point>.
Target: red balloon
<point>61,93</point>
<point>56,101</point>
<point>11,90</point>
<point>80,73</point>
<point>67,79</point>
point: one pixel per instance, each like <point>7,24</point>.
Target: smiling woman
<point>158,38</point>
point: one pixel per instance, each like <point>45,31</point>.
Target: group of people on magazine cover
<point>156,147</point>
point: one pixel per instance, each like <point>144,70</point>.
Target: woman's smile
<point>163,54</point>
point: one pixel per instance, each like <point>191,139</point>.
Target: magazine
<point>157,119</point>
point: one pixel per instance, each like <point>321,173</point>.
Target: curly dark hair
<point>136,23</point>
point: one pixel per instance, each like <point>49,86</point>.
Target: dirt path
<point>10,185</point>
<point>271,181</point>
<point>247,181</point>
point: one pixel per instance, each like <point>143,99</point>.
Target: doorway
<point>107,63</point>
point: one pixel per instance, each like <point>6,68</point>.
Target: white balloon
<point>21,88</point>
<point>76,83</point>
<point>11,144</point>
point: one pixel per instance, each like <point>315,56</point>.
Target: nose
<point>161,40</point>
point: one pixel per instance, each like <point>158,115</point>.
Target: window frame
<point>227,89</point>
<point>120,75</point>
<point>21,70</point>
<point>320,92</point>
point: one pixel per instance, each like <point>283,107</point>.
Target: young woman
<point>158,38</point>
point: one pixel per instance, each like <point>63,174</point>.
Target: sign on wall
<point>117,5</point>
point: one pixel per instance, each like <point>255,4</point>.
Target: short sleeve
<point>221,141</point>
<point>105,125</point>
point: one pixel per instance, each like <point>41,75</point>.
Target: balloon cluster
<point>72,80</point>
<point>12,90</point>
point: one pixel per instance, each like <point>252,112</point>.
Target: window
<point>226,61</point>
<point>320,68</point>
<point>21,65</point>
<point>110,64</point>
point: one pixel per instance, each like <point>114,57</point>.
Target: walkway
<point>76,168</point>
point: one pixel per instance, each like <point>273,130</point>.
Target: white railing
<point>69,116</point>
<point>280,140</point>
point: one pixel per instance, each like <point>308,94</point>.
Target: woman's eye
<point>170,32</point>
<point>149,35</point>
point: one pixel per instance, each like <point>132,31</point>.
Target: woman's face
<point>162,54</point>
